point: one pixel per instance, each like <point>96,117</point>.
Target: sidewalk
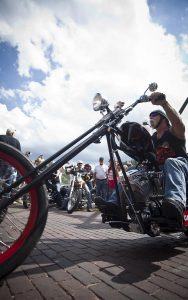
<point>80,258</point>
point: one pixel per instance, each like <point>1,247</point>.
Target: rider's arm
<point>178,127</point>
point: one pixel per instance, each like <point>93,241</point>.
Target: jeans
<point>88,196</point>
<point>101,188</point>
<point>176,174</point>
<point>113,197</point>
<point>110,192</point>
<point>89,184</point>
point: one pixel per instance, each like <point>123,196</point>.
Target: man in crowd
<point>100,176</point>
<point>88,176</point>
<point>9,138</point>
<point>6,171</point>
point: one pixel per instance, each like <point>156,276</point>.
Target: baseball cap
<point>10,131</point>
<point>80,162</point>
<point>101,158</point>
<point>158,112</point>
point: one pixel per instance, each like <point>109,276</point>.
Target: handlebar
<point>112,118</point>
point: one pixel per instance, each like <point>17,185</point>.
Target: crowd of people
<point>100,177</point>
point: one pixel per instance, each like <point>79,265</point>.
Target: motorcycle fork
<point>72,187</point>
<point>112,148</point>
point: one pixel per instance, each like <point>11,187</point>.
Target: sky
<point>56,55</point>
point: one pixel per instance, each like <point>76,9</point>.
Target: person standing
<point>88,176</point>
<point>6,171</point>
<point>9,138</point>
<point>100,176</point>
<point>111,181</point>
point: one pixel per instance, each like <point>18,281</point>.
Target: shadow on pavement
<point>134,259</point>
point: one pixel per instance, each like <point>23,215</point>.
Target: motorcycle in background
<point>77,197</point>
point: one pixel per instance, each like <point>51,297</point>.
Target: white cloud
<point>6,93</point>
<point>104,46</point>
<point>185,42</point>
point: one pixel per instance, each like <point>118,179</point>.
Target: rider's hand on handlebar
<point>157,98</point>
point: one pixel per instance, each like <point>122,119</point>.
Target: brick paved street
<point>80,258</point>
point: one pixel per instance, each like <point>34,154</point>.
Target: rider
<point>169,142</point>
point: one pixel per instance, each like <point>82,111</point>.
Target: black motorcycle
<point>139,195</point>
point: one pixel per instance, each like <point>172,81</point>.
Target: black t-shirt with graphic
<point>168,146</point>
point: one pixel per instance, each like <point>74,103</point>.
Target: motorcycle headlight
<point>99,103</point>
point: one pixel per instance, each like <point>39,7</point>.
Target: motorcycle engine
<point>141,187</point>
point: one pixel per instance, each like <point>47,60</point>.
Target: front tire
<point>20,229</point>
<point>74,200</point>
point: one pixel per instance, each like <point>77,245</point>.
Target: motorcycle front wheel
<point>20,229</point>
<point>74,200</point>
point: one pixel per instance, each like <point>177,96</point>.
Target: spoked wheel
<point>74,200</point>
<point>20,229</point>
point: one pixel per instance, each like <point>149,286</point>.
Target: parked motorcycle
<point>139,195</point>
<point>77,197</point>
<point>54,190</point>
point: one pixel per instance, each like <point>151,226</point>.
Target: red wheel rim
<point>32,219</point>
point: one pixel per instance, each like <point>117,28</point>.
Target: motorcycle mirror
<point>153,86</point>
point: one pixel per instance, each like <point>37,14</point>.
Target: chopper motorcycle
<point>139,195</point>
<point>77,196</point>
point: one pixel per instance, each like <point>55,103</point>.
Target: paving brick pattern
<point>80,258</point>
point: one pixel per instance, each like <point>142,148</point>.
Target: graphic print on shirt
<point>163,152</point>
